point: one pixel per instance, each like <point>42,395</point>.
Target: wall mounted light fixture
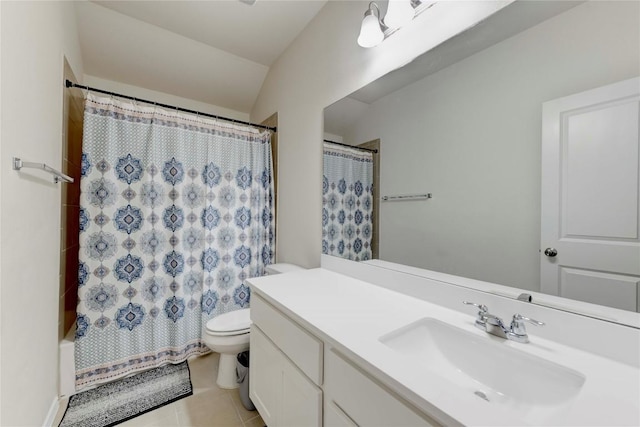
<point>374,28</point>
<point>399,13</point>
<point>371,30</point>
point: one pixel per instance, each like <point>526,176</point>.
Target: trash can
<point>242,376</point>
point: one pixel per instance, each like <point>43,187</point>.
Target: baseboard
<point>53,411</point>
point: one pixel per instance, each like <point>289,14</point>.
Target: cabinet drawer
<point>302,348</point>
<point>362,401</point>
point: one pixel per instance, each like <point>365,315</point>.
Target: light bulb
<point>370,32</point>
<point>399,13</point>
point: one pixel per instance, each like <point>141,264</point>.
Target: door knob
<point>550,252</point>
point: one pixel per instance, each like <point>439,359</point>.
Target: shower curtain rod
<point>69,84</point>
<point>373,150</point>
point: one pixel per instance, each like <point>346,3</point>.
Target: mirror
<point>464,123</point>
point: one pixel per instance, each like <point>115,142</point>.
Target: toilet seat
<point>229,333</point>
<point>235,322</point>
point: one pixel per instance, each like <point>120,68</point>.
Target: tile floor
<point>209,405</point>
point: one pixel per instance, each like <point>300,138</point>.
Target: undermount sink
<point>491,370</point>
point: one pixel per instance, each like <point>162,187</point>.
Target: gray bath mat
<point>121,400</point>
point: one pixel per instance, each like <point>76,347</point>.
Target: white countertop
<point>352,315</point>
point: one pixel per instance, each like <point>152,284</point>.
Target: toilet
<point>228,334</point>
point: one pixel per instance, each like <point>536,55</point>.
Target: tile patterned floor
<point>209,406</point>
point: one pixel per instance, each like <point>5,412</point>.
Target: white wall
<point>470,134</point>
<point>121,48</point>
<point>321,66</point>
<point>35,37</point>
<point>1,168</point>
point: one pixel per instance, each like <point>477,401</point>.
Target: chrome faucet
<point>495,326</point>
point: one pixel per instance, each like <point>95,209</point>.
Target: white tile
<point>208,409</point>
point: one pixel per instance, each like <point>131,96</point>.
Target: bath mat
<point>126,398</point>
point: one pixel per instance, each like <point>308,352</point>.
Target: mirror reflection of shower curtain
<point>347,202</point>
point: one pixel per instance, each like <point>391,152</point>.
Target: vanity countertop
<point>351,315</point>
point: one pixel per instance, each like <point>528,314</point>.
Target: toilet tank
<point>281,267</point>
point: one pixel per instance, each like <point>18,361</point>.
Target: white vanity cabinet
<point>298,380</point>
<point>325,350</point>
<point>286,369</point>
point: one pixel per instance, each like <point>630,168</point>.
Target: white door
<point>590,246</point>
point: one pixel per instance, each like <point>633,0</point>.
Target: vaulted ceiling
<point>218,52</point>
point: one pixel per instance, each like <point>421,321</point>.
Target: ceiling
<point>218,52</point>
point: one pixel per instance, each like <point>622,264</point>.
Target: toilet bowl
<point>228,334</point>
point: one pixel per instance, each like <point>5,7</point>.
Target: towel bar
<point>57,175</point>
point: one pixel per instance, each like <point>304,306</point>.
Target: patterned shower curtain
<point>347,202</point>
<point>176,213</point>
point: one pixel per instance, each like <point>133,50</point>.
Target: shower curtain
<point>347,202</point>
<point>176,213</point>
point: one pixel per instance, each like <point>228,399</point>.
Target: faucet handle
<point>483,308</point>
<point>518,331</point>
<point>520,317</point>
<point>481,319</point>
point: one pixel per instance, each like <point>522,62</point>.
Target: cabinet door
<point>301,399</point>
<point>364,401</point>
<point>335,417</point>
<point>265,380</point>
